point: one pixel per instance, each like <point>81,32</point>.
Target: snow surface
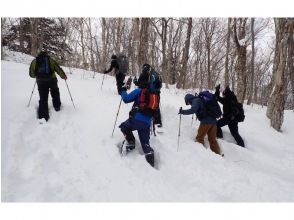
<point>73,157</point>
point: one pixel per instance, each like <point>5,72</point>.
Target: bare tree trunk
<point>91,46</point>
<point>208,27</point>
<point>227,53</point>
<point>144,43</point>
<point>34,36</point>
<point>241,62</point>
<point>3,20</point>
<point>136,44</point>
<point>81,24</point>
<point>104,42</point>
<point>185,57</point>
<point>252,62</point>
<point>291,62</point>
<point>275,110</point>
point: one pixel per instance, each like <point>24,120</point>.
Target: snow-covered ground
<point>73,157</point>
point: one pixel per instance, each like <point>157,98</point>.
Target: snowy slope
<point>73,158</point>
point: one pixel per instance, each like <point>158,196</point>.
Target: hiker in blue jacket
<point>137,120</point>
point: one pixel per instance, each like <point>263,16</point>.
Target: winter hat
<point>188,98</point>
<point>227,91</point>
<point>146,67</point>
<point>113,56</point>
<point>143,80</point>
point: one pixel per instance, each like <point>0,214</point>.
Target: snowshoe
<point>159,129</point>
<point>126,147</point>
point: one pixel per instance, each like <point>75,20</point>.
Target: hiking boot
<point>57,109</point>
<point>150,158</point>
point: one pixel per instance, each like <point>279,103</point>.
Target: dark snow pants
<point>233,126</point>
<point>44,86</point>
<point>143,131</point>
<point>120,77</point>
<point>157,118</point>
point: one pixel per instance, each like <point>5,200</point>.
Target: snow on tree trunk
<point>275,110</point>
<point>241,61</point>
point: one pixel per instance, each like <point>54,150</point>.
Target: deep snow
<point>73,158</point>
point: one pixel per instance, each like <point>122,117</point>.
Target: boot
<point>150,158</point>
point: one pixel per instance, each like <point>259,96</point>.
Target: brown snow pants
<point>210,130</point>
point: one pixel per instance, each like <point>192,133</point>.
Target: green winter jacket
<point>54,67</point>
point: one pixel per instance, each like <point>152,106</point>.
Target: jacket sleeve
<point>194,107</point>
<point>127,98</point>
<point>58,69</point>
<point>32,69</point>
<point>218,98</point>
<point>111,67</point>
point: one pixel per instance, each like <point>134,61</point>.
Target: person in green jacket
<point>43,68</point>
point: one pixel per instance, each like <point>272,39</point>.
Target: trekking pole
<point>179,134</point>
<point>102,81</point>
<point>32,94</point>
<point>116,117</point>
<point>192,120</point>
<point>70,94</point>
<point>153,127</point>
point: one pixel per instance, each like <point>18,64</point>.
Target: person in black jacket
<point>228,100</point>
<point>120,77</point>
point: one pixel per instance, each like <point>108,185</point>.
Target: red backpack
<point>148,102</point>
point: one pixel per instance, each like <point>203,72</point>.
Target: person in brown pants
<point>207,122</point>
<point>210,130</point>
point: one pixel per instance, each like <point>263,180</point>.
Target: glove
<point>104,71</point>
<point>135,81</point>
<point>128,83</point>
<point>217,88</point>
<point>180,111</point>
<point>65,78</point>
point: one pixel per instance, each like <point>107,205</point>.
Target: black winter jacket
<point>227,101</point>
<point>114,65</point>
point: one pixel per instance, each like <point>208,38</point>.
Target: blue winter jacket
<point>196,105</point>
<point>134,97</point>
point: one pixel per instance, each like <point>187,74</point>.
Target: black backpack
<point>155,81</point>
<point>123,63</point>
<point>238,111</point>
<point>43,67</point>
<point>211,107</point>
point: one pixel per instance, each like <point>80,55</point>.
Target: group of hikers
<point>145,111</point>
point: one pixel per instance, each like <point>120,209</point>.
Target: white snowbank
<point>73,158</point>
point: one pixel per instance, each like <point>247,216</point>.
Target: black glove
<point>217,88</point>
<point>180,111</point>
<point>135,81</point>
<point>104,71</point>
<point>129,82</point>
